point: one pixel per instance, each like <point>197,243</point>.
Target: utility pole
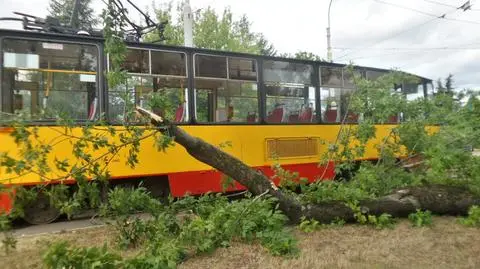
<point>188,24</point>
<point>74,18</point>
<point>329,46</point>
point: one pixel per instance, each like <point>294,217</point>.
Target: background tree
<point>266,48</point>
<point>212,31</point>
<point>302,55</point>
<point>446,88</point>
<point>63,9</point>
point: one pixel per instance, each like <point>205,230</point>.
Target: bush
<point>383,221</point>
<point>421,218</point>
<point>61,255</point>
<point>473,218</point>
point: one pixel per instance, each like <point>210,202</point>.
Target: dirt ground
<point>445,245</point>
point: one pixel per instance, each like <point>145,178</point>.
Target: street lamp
<point>329,47</point>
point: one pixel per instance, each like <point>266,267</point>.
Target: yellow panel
<point>248,144</point>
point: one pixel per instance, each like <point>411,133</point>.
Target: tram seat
<point>251,117</point>
<point>393,119</point>
<point>179,113</point>
<point>276,115</point>
<point>306,115</point>
<point>331,115</point>
<point>351,117</point>
<point>294,117</point>
<point>92,109</point>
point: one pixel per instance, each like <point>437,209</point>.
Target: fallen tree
<point>439,199</point>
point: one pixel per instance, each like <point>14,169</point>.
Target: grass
<point>446,244</point>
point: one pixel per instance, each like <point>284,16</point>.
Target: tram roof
<point>84,38</point>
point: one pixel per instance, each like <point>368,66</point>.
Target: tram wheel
<point>40,211</point>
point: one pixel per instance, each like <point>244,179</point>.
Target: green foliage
<point>227,182</point>
<point>218,223</point>
<point>421,218</point>
<point>308,226</point>
<point>114,26</point>
<point>162,141</point>
<point>383,221</point>
<point>189,225</point>
<point>379,180</point>
<point>126,201</point>
<point>288,180</point>
<point>131,232</point>
<point>279,243</point>
<point>160,254</point>
<point>160,104</point>
<point>379,222</point>
<point>62,255</point>
<point>370,181</point>
<point>473,218</point>
<point>328,191</point>
<point>9,242</point>
<point>303,55</point>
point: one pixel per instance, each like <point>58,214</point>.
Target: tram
<point>271,109</point>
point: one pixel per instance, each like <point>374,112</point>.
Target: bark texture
<point>437,198</point>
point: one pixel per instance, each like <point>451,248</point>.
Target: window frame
<point>195,54</point>
<point>226,80</point>
<point>314,83</point>
<point>150,75</point>
<point>150,62</point>
<point>99,81</point>
<point>171,51</point>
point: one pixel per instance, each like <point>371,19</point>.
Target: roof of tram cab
<point>52,37</point>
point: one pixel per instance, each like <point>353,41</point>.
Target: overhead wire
<point>448,5</point>
<point>459,47</point>
<point>426,13</point>
<point>443,16</point>
<point>439,3</point>
<point>388,37</point>
<point>385,55</point>
<point>407,8</point>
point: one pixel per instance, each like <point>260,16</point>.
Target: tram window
<point>165,96</point>
<point>348,78</point>
<point>168,63</point>
<point>49,55</point>
<point>412,91</point>
<point>331,76</point>
<point>290,104</point>
<point>287,72</point>
<point>242,69</point>
<point>334,104</point>
<point>137,61</point>
<point>49,77</point>
<point>374,75</point>
<point>210,66</point>
<point>226,101</point>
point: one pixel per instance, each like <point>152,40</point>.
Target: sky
<point>407,34</point>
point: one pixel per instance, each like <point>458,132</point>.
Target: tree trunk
<point>436,198</point>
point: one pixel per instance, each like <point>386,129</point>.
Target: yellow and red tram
<point>270,109</point>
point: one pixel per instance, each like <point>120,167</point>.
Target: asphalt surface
<point>57,227</point>
<point>64,225</point>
